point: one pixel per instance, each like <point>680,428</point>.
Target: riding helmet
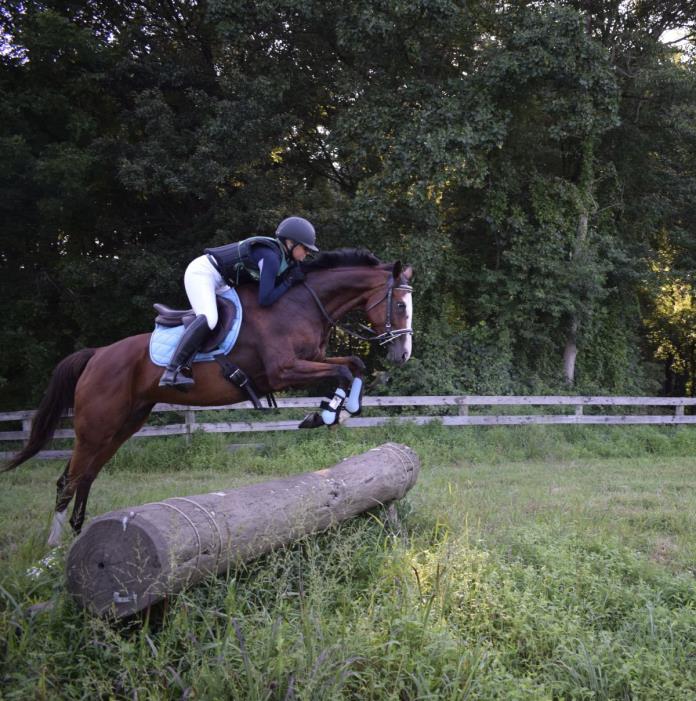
<point>299,230</point>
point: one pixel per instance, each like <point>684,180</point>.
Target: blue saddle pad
<point>165,339</point>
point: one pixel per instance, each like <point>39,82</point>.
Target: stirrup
<point>176,379</point>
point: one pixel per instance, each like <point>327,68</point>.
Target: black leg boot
<point>190,342</point>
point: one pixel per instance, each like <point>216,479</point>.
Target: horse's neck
<point>343,289</point>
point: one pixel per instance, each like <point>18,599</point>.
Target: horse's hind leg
<point>76,480</point>
<point>84,482</point>
<point>89,456</point>
<point>61,513</point>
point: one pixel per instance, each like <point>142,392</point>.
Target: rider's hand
<point>294,275</point>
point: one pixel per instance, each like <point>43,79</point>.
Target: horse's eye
<point>401,306</point>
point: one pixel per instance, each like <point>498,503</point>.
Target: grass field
<point>532,563</point>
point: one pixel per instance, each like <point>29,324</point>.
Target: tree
<point>532,160</point>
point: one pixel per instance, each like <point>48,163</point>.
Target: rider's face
<point>299,252</point>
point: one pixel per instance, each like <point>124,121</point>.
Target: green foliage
<point>475,360</point>
<point>530,159</point>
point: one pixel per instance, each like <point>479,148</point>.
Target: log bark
<point>129,559</point>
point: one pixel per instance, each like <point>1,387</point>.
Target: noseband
<point>388,336</point>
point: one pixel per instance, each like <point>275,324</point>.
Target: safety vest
<point>233,261</point>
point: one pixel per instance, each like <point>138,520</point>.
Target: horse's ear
<point>407,272</point>
<point>396,272</point>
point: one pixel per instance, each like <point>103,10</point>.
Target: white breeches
<point>202,283</point>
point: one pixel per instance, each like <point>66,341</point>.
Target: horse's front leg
<point>353,405</point>
<point>352,362</point>
<point>302,372</point>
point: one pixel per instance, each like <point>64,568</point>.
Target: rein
<point>389,335</point>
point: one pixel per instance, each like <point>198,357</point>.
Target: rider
<point>273,262</point>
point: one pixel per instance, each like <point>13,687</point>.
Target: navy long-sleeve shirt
<point>268,261</point>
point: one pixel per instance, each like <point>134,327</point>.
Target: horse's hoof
<point>313,420</point>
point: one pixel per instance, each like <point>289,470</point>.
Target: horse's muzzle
<point>399,351</point>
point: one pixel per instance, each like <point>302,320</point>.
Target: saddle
<point>227,314</point>
<point>220,341</point>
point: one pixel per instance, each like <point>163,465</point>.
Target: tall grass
<point>530,563</point>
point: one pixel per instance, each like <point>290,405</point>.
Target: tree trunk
<point>579,254</point>
<point>130,559</point>
<point>570,352</point>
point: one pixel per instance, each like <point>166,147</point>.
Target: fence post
<point>463,408</point>
<point>578,410</point>
<point>679,410</point>
<point>26,427</point>
<point>190,421</point>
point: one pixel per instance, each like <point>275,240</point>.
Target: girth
<point>234,374</point>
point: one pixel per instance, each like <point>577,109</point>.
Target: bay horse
<point>112,389</point>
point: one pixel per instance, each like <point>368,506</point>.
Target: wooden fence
<point>572,408</point>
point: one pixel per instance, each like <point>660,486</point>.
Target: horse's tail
<point>60,395</point>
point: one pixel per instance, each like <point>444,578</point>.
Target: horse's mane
<point>342,258</point>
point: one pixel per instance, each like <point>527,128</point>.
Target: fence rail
<point>463,417</point>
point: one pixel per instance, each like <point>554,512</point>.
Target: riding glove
<point>294,275</point>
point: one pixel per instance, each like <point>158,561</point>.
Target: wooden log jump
<point>129,559</point>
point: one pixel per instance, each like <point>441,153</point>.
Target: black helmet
<point>298,229</point>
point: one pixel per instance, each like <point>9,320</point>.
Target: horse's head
<point>382,290</point>
<point>390,311</point>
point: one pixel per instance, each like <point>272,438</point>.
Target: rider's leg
<point>200,281</point>
<point>189,343</point>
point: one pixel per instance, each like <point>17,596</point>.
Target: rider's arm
<point>269,264</point>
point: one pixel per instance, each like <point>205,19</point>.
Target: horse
<point>112,389</point>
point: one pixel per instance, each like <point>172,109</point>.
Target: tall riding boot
<point>190,342</point>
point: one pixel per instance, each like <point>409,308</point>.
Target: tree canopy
<point>534,161</point>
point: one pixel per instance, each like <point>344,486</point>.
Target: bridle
<point>389,335</point>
